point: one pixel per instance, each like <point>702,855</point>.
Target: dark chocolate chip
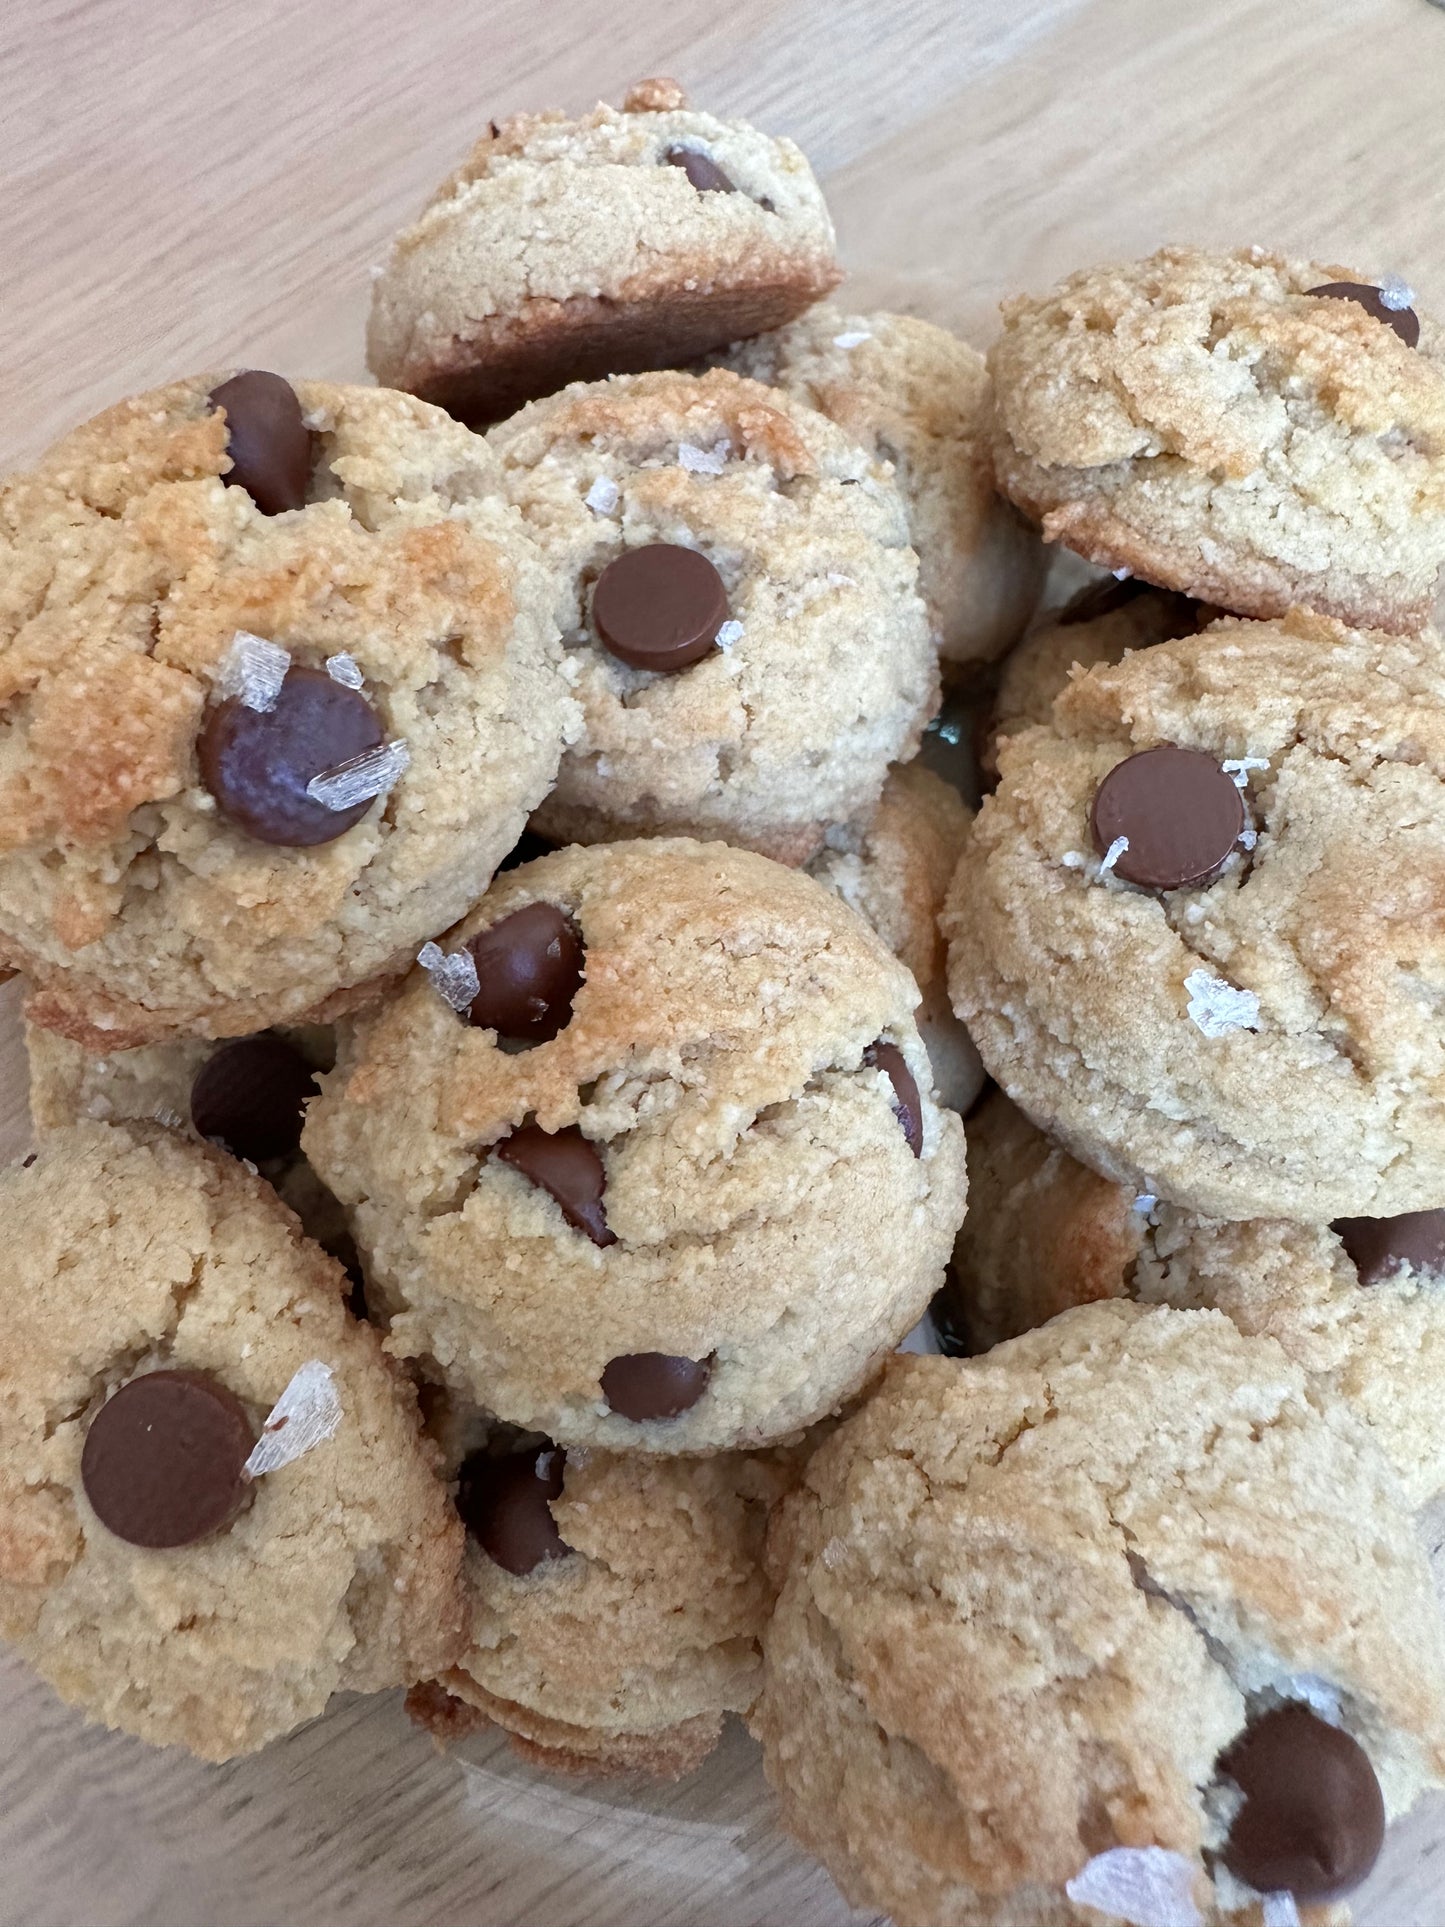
<point>906,1106</point>
<point>1313,1818</point>
<point>506,1505</point>
<point>1377,1247</point>
<point>659,607</point>
<point>1404,321</point>
<point>257,763</point>
<point>701,169</point>
<point>529,969</point>
<point>1181,813</point>
<point>649,1385</point>
<point>163,1462</point>
<point>527,848</point>
<point>250,1094</point>
<point>266,439</point>
<point>569,1168</point>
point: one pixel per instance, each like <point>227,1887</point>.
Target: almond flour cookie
<point>1255,431</point>
<point>283,685</point>
<point>1360,1302</point>
<point>1121,1585</point>
<point>161,1301</point>
<point>1227,997</point>
<point>704,1199</point>
<point>918,397</point>
<point>740,610</point>
<point>563,250</point>
<point>616,1604</point>
<point>895,874</point>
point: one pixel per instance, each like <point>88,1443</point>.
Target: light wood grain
<point>189,184</point>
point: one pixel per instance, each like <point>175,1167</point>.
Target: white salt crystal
<point>365,776</point>
<point>306,1414</point>
<point>545,1462</point>
<point>1217,1007</point>
<point>345,669</point>
<point>601,498</point>
<point>854,339</point>
<point>172,1120</point>
<point>254,670</point>
<point>1072,859</point>
<point>1248,837</point>
<point>1145,1203</point>
<point>836,579</point>
<point>1396,294</point>
<point>1121,575</point>
<point>703,461</point>
<point>453,978</point>
<point>1111,856</point>
<point>730,633</point>
<point>834,1553</point>
<point>1147,1886</point>
<point>1279,1910</point>
<point>1238,768</point>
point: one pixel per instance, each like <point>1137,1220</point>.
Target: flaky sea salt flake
<point>729,635</point>
<point>1279,1910</point>
<point>253,670</point>
<point>1145,1203</point>
<point>306,1415</point>
<point>703,461</point>
<point>1217,1007</point>
<point>345,670</point>
<point>601,498</point>
<point>1111,856</point>
<point>853,339</point>
<point>1121,575</point>
<point>1147,1886</point>
<point>1237,768</point>
<point>453,978</point>
<point>364,777</point>
<point>1396,294</point>
<point>1248,837</point>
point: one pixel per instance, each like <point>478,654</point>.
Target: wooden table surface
<point>190,184</point>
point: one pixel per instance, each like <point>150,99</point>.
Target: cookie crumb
<point>253,670</point>
<point>366,776</point>
<point>1217,1008</point>
<point>1146,1886</point>
<point>306,1415</point>
<point>454,977</point>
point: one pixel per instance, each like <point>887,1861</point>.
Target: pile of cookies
<point>509,948</point>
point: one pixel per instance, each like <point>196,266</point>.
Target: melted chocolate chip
<point>257,763</point>
<point>266,439</point>
<point>1313,1819</point>
<point>659,607</point>
<point>701,169</point>
<point>529,969</point>
<point>250,1095</point>
<point>1179,811</point>
<point>505,1504</point>
<point>164,1459</point>
<point>906,1106</point>
<point>1404,321</point>
<point>651,1385</point>
<point>1378,1247</point>
<point>569,1168</point>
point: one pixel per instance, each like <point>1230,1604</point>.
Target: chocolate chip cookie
<point>1197,932</point>
<point>740,610</point>
<point>216,1507</point>
<point>1122,1604</point>
<point>1253,431</point>
<point>650,1158</point>
<point>563,250</point>
<point>283,685</point>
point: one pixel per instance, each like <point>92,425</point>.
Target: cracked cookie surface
<point>1027,1601</point>
<point>1114,1016</point>
<point>757,1172</point>
<point>129,1250</point>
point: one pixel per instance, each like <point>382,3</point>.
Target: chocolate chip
<point>1313,1818</point>
<point>704,173</point>
<point>1378,1247</point>
<point>1181,814</point>
<point>529,969</point>
<point>1404,321</point>
<point>505,1504</point>
<point>906,1106</point>
<point>164,1458</point>
<point>266,439</point>
<point>527,848</point>
<point>249,1094</point>
<point>569,1168</point>
<point>647,1385</point>
<point>659,607</point>
<point>257,763</point>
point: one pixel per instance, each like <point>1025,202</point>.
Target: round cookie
<point>189,847</point>
<point>1099,625</point>
<point>616,1604</point>
<point>895,874</point>
<point>696,1215</point>
<point>1037,1608</point>
<point>564,250</point>
<point>1232,426</point>
<point>815,669</point>
<point>920,398</point>
<point>1265,1044</point>
<point>147,1276</point>
<point>1360,1303</point>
